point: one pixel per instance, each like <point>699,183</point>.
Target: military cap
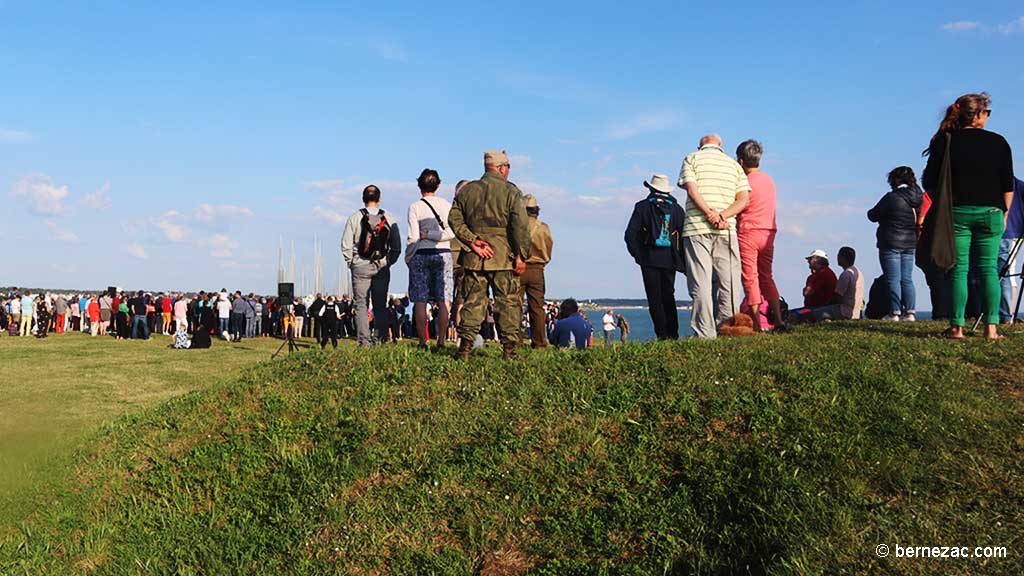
<point>495,158</point>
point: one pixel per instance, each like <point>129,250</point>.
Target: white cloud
<point>60,234</point>
<point>390,50</point>
<point>824,209</point>
<point>602,181</point>
<point>645,123</point>
<point>171,225</point>
<point>13,136</point>
<point>961,26</point>
<point>593,200</point>
<point>221,246</point>
<point>42,196</point>
<point>519,161</point>
<point>99,199</point>
<point>325,185</point>
<point>543,192</point>
<point>330,216</point>
<point>136,250</point>
<point>209,212</point>
<point>1012,27</point>
<point>796,230</point>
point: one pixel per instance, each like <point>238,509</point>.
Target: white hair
<point>711,139</point>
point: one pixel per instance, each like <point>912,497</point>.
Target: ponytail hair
<point>959,115</point>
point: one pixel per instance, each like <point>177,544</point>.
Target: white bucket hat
<point>660,183</point>
<point>819,254</point>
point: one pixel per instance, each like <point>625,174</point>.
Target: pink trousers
<point>757,248</point>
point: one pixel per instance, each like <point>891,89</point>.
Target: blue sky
<point>172,146</point>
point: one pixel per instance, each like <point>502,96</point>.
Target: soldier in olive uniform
<point>488,217</point>
<point>531,283</point>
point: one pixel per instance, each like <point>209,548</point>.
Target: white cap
<point>819,254</point>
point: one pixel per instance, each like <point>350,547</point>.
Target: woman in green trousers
<point>981,167</point>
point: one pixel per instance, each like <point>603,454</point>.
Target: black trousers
<point>660,286</point>
<point>328,330</point>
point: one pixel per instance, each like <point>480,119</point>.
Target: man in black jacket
<point>654,240</point>
<point>314,316</point>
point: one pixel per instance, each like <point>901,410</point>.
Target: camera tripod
<point>289,340</point>
<point>1005,273</point>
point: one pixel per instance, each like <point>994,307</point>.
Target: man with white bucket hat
<point>654,240</point>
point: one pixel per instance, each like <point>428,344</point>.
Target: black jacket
<point>896,214</point>
<point>643,252</point>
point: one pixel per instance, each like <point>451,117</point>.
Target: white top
<point>422,222</point>
<point>609,322</point>
<point>223,309</point>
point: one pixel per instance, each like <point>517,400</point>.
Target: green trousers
<point>978,231</point>
<point>505,286</point>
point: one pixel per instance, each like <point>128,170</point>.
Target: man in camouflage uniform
<point>488,217</point>
<point>531,283</point>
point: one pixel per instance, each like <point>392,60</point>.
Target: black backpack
<point>374,237</point>
<point>656,226</point>
<point>878,299</point>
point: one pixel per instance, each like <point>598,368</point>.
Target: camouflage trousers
<point>505,287</point>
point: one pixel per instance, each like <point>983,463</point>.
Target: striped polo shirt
<point>719,178</point>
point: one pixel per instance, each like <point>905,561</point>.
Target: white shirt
<point>423,222</point>
<point>223,309</point>
<point>609,322</point>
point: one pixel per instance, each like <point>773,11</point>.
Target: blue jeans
<point>898,268</point>
<point>225,324</point>
<point>1005,283</point>
<point>140,320</point>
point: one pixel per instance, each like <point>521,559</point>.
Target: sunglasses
<point>987,111</point>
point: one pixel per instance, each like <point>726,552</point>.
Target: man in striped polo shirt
<point>717,190</point>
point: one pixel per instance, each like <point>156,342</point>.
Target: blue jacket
<point>1015,223</point>
<point>574,327</point>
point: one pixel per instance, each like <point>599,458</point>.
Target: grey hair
<point>749,153</point>
<point>711,139</point>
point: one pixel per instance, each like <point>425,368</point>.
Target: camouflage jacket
<point>491,209</point>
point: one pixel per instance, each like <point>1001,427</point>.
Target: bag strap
<point>436,216</point>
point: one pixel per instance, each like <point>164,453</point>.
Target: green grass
<point>791,454</point>
<point>55,390</point>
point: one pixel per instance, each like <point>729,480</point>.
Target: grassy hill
<point>780,454</point>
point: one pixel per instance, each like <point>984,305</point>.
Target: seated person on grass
<point>572,329</point>
<point>847,298</point>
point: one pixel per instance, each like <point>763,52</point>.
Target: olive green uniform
<point>531,284</point>
<point>490,209</point>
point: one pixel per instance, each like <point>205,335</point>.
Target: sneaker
<point>909,317</point>
<point>891,318</point>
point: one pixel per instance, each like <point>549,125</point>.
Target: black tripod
<point>289,339</point>
<point>1005,273</point>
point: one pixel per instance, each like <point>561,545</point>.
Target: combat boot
<point>508,350</point>
<point>465,349</point>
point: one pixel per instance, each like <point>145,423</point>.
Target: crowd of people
<point>959,229</point>
<point>475,261</point>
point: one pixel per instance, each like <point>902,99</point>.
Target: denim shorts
<point>430,277</point>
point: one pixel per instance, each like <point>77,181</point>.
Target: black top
<point>330,313</point>
<point>896,214</point>
<point>982,167</point>
<point>138,305</point>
